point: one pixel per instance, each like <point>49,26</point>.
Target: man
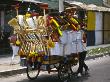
<point>81,41</point>
<point>15,48</point>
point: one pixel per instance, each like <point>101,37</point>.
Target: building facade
<point>7,12</point>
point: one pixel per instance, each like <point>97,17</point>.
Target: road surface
<point>99,72</point>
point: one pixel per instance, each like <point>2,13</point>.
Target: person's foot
<point>86,71</point>
<point>79,75</point>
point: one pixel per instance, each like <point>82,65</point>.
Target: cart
<point>35,47</point>
<point>39,57</point>
<point>36,44</point>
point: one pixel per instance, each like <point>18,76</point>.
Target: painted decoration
<point>98,29</point>
<point>91,21</point>
<point>90,38</point>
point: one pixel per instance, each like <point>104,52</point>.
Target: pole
<point>61,5</point>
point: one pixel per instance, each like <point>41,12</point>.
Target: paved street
<point>99,72</point>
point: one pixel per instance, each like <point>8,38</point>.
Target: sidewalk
<point>7,70</point>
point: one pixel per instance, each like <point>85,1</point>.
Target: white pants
<point>15,50</point>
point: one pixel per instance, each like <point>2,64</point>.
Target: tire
<point>32,70</point>
<point>64,73</point>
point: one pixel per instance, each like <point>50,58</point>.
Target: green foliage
<point>98,51</point>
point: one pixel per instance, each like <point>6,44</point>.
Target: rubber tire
<point>62,71</point>
<point>37,69</point>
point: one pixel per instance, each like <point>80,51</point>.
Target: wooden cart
<point>39,57</point>
<point>36,45</point>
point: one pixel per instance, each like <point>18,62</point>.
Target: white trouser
<point>15,50</point>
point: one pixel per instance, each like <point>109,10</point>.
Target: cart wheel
<point>32,70</point>
<point>64,73</point>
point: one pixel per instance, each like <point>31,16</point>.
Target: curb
<point>13,72</point>
<point>97,56</point>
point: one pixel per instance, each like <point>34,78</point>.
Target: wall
<point>99,29</point>
<point>106,27</point>
<point>94,27</point>
<point>91,28</point>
